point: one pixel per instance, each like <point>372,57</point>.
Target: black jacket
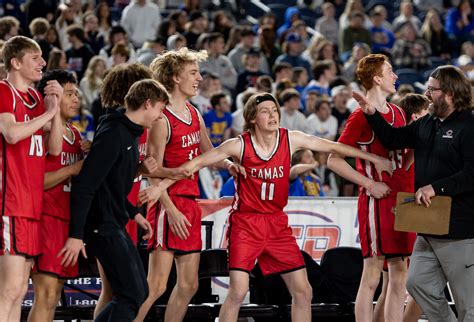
<point>99,193</point>
<point>444,158</point>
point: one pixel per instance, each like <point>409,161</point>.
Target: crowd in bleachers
<point>305,52</point>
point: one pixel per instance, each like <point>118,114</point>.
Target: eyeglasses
<point>430,89</point>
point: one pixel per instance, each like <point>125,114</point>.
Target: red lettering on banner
<point>297,231</point>
<point>320,238</point>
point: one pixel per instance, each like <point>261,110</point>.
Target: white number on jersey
<point>36,145</point>
<point>67,186</point>
<point>267,190</point>
<point>397,159</point>
<point>193,154</point>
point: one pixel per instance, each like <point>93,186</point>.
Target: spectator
<point>38,30</point>
<point>353,6</point>
<point>247,40</point>
<point>222,23</point>
<point>340,96</point>
<point>57,60</point>
<point>359,51</point>
<point>117,34</point>
<point>141,19</point>
<point>237,116</point>
<point>84,121</point>
<point>268,44</point>
<point>292,48</point>
<point>219,120</point>
<point>300,79</point>
<point>312,52</point>
<point>92,33</point>
<point>291,117</point>
<point>210,85</point>
<point>299,27</point>
<point>291,14</point>
<point>9,27</point>
<point>196,26</point>
<point>327,25</point>
<point>248,77</point>
<point>324,72</point>
<point>383,12</point>
<point>166,29</point>
<point>406,15</point>
<point>102,12</point>
<point>219,63</point>
<point>303,181</point>
<point>433,32</point>
<point>411,51</point>
<point>281,71</point>
<point>41,9</point>
<point>321,123</point>
<point>310,102</point>
<point>175,42</point>
<point>150,49</point>
<point>354,33</point>
<point>460,23</point>
<point>80,53</point>
<point>180,19</point>
<point>67,17</point>
<point>326,176</point>
<point>382,38</point>
<point>263,84</point>
<point>402,91</point>
<point>52,36</point>
<point>120,54</point>
<point>92,80</point>
<point>234,38</point>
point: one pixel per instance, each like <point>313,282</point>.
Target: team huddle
<point>81,198</point>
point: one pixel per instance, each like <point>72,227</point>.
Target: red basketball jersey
<point>183,144</point>
<point>265,190</point>
<point>56,199</point>
<point>22,164</point>
<point>358,133</point>
<point>133,195</point>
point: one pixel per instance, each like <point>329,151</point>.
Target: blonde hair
<point>90,76</point>
<point>172,63</point>
<point>250,109</point>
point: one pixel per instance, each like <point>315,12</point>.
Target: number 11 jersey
<point>265,190</point>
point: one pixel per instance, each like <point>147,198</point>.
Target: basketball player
<point>99,205</point>
<point>48,273</point>
<point>258,227</point>
<point>28,126</point>
<point>378,238</point>
<point>179,136</point>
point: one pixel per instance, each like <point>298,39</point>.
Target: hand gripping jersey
<point>358,133</point>
<point>265,190</point>
<point>133,195</point>
<point>22,164</point>
<point>56,199</point>
<point>183,144</point>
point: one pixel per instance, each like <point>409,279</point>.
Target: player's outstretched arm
<point>301,140</point>
<point>53,178</point>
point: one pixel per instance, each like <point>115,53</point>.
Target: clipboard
<point>432,220</point>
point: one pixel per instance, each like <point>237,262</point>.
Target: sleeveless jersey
<point>56,199</point>
<point>183,144</point>
<point>133,195</point>
<point>265,190</point>
<point>358,133</point>
<point>22,164</point>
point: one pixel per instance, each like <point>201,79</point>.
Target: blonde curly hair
<point>171,63</point>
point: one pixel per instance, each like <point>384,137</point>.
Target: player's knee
<point>49,298</point>
<point>189,287</point>
<point>237,294</point>
<point>371,278</point>
<point>12,293</point>
<point>303,294</point>
<point>156,288</point>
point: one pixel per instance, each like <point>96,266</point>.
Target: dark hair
<point>413,104</point>
<point>216,99</point>
<point>278,67</point>
<point>63,77</point>
<point>143,90</point>
<point>214,36</point>
<point>452,81</point>
<point>288,94</point>
<point>118,81</point>
<point>319,102</point>
<point>320,67</point>
<point>76,31</point>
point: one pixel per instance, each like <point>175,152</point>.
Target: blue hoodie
<point>289,13</point>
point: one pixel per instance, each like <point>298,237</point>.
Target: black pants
<point>124,270</point>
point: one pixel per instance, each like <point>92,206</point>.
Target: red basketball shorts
<point>266,237</point>
<point>162,234</point>
<point>53,235</point>
<point>376,229</point>
<point>19,236</point>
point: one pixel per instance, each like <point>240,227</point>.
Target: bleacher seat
<point>408,76</point>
